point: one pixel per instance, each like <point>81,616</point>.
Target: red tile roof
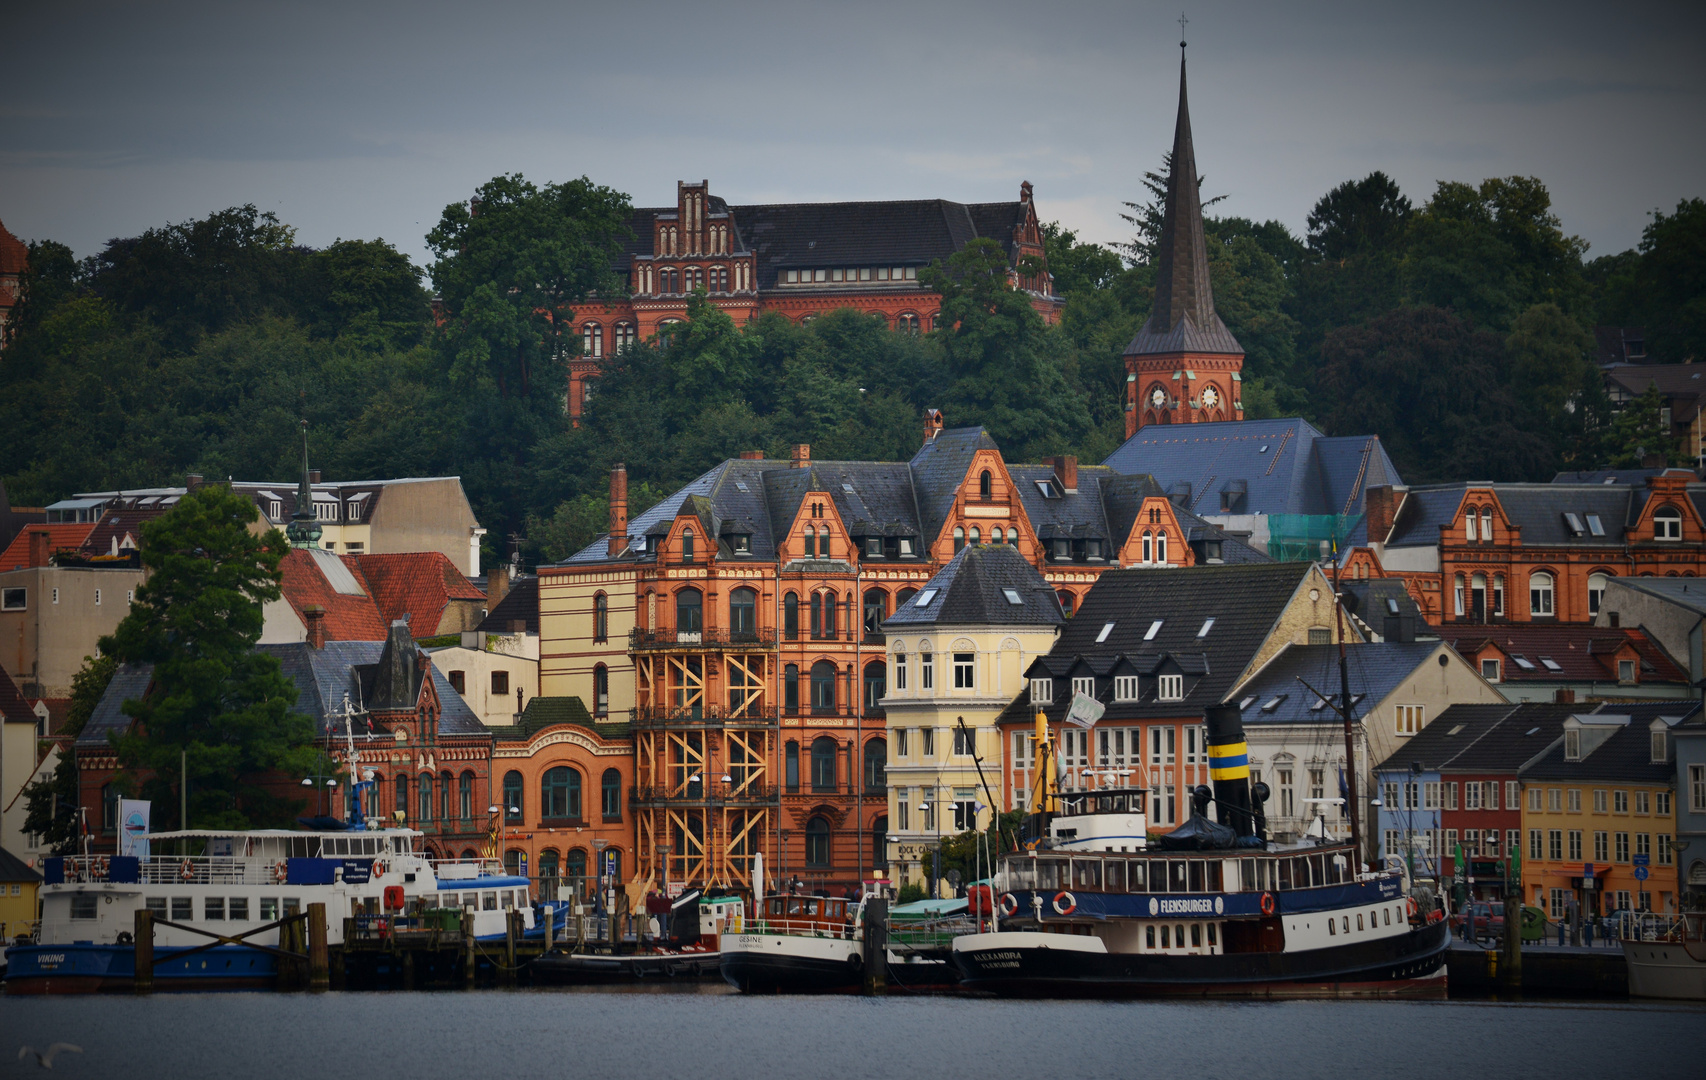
<point>1582,653</point>
<point>420,584</point>
<point>348,618</point>
<point>61,537</point>
<point>116,525</point>
<point>14,254</point>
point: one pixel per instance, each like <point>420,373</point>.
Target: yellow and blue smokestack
<point>1229,768</point>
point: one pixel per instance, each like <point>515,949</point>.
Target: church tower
<point>1183,366</point>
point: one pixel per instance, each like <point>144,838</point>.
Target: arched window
<point>592,340</point>
<point>876,684</point>
<point>907,323</point>
<point>686,545</point>
<point>1486,525</point>
<point>1478,597</point>
<point>900,669</point>
<point>791,617</point>
<point>997,536</point>
<point>424,790</point>
<point>689,611</point>
<point>600,617</point>
<point>817,842</point>
<point>560,794</point>
<point>876,610</point>
<point>625,335</point>
<point>1667,523</point>
<point>976,536</point>
<point>1457,595</point>
<point>817,615</point>
<point>901,597</point>
<point>1068,603</point>
<point>829,612</point>
<point>876,761</point>
<point>791,765</point>
<point>791,689</point>
<point>109,809</point>
<point>1469,524</point>
<point>1540,593</point>
<point>1160,547</point>
<point>513,795</point>
<point>600,690</point>
<point>1148,547</point>
<point>1596,590</point>
<point>548,864</point>
<point>465,797</point>
<point>611,794</point>
<point>985,486</point>
<point>743,613</point>
<point>824,753</point>
<point>823,690</point>
<point>575,865</point>
<point>959,538</point>
<point>402,795</point>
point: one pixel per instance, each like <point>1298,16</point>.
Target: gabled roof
<point>115,527</point>
<point>14,256</point>
<point>1374,671</point>
<point>1626,756</point>
<point>350,615</point>
<point>520,604</point>
<point>65,536</point>
<point>1539,510</point>
<point>1451,735</point>
<point>1578,652</point>
<point>971,590</point>
<point>544,712</point>
<point>13,707</point>
<point>939,468</point>
<point>419,584</point>
<point>1687,593</point>
<point>1243,601</point>
<point>15,870</point>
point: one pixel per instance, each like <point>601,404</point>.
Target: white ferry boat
<point>231,882</point>
<point>1666,956</point>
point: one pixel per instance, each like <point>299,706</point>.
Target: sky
<point>353,119</point>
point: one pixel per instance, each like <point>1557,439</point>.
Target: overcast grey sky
<point>357,119</point>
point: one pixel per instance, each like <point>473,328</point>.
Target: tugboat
<point>1210,910</point>
<point>1666,955</point>
<point>689,949</point>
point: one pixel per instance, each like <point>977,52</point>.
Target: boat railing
<point>806,927</point>
<point>1653,926</point>
<point>20,932</point>
<point>467,869</point>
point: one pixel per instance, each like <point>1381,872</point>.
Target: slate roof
<point>322,677</point>
<point>1481,738</point>
<point>65,536</point>
<point>1243,601</point>
<point>971,591</point>
<point>543,712</point>
<point>15,870</point>
<point>1688,593</point>
<point>1287,466</point>
<point>1582,653</point>
<point>117,527</point>
<point>1637,477</point>
<point>520,604</point>
<point>1366,599</point>
<point>12,704</point>
<point>1374,671</point>
<point>1626,756</point>
<point>1682,385</point>
<point>1537,509</point>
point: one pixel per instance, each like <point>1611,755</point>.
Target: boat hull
<point>586,969</point>
<point>790,964</point>
<point>92,969</point>
<point>1666,969</point>
<point>1023,965</point>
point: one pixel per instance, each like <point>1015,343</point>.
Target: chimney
<point>752,455</point>
<point>1380,503</point>
<point>41,545</point>
<point>618,538</point>
<point>313,476</point>
<point>1024,191</point>
<point>193,481</point>
<point>1562,696</point>
<point>497,585</point>
<point>1066,471</point>
<point>316,618</point>
<point>932,424</point>
<point>802,455</point>
<point>1400,628</point>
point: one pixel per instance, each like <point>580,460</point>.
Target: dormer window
<point>1572,744</point>
<point>1085,685</point>
<point>1061,549</point>
<point>1042,691</point>
<point>1093,549</point>
<point>740,543</point>
<point>686,545</point>
<point>873,547</point>
<point>1659,751</point>
<point>1625,671</point>
<point>1667,523</point>
<point>1170,688</point>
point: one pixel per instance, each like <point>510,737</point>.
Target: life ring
<point>100,867</point>
<point>1410,907</point>
<point>1267,903</point>
<point>379,868</point>
<point>280,871</point>
<point>1065,903</point>
<point>1009,903</point>
<point>186,870</point>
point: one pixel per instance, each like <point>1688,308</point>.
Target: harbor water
<point>710,1033</point>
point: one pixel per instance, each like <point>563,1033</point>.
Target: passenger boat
<point>815,945</point>
<point>1210,910</point>
<point>232,882</point>
<point>690,947</point>
<point>1666,956</point>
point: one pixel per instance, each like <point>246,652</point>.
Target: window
<point>985,486</point>
<point>1068,602</point>
<point>1469,524</point>
<point>600,690</point>
<point>965,743</point>
<point>791,765</point>
<point>927,741</point>
<point>500,683</point>
<point>1486,526</point>
<point>1656,746</point>
<point>402,796</point>
<point>1540,593</point>
<point>686,545</point>
<point>1042,691</point>
<point>1513,800</point>
<point>1575,845</point>
<point>689,609</point>
<point>927,671</point>
<point>14,599</point>
<point>611,794</point>
<point>823,688</point>
<point>1471,796</point>
<point>1318,636</point>
<point>875,609</point>
<point>1667,523</point>
<point>743,613</point>
<point>1572,744</point>
<point>899,670</point>
<point>1084,684</point>
<point>1451,795</point>
<point>1602,847</point>
<point>791,617</point>
<point>512,796</point>
<point>459,681</point>
<point>465,797</point>
<point>876,684</point>
<point>901,742</point>
<point>1534,844</point>
<point>1596,591</point>
<point>876,765</point>
<point>109,809</point>
<point>1171,688</point>
<point>907,323</point>
<point>1622,847</point>
<point>817,842</point>
<point>1409,719</point>
<point>592,340</point>
<point>1490,670</point>
<point>626,334</point>
<point>425,797</point>
<point>1498,594</point>
<point>561,793</point>
<point>1575,802</point>
<point>1620,802</point>
<point>1664,849</point>
<point>1457,595</point>
<point>959,538</point>
<point>791,689</point>
<point>963,670</point>
<point>1661,803</point>
<point>1555,844</point>
<point>1125,688</point>
<point>823,763</point>
<point>601,617</point>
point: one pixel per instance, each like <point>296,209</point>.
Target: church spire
<point>304,529</point>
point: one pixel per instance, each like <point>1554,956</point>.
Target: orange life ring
<point>280,871</point>
<point>186,870</point>
<point>379,868</point>
<point>101,866</point>
<point>1267,903</point>
<point>1410,906</point>
<point>1009,903</point>
<point>1068,907</point>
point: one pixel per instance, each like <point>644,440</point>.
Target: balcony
<point>701,716</point>
<point>713,795</point>
<point>701,640</point>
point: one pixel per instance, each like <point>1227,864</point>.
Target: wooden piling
<point>1510,966</point>
<point>143,981</point>
<point>319,964</point>
<point>467,952</point>
<point>875,947</point>
<point>512,931</point>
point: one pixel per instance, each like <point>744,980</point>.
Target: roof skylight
<point>925,597</point>
<point>1208,624</point>
<point>848,488</point>
<point>1596,526</point>
<point>1550,664</point>
<point>1245,703</point>
<point>1455,730</point>
<point>1523,662</point>
<point>1154,628</point>
<point>1575,523</point>
<point>1273,703</point>
<point>1107,628</point>
<point>741,484</point>
<point>1013,597</point>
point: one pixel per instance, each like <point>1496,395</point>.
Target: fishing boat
<point>1666,955</point>
<point>248,884</point>
<point>1209,910</point>
<point>689,946</point>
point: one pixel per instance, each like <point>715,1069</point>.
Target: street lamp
<point>331,782</point>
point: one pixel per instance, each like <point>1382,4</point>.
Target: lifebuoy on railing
<point>1065,903</point>
<point>379,868</point>
<point>1267,903</point>
<point>1410,907</point>
<point>186,870</point>
<point>1009,903</point>
<point>280,871</point>
<point>101,866</point>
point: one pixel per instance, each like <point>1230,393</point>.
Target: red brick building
<point>799,259</point>
<point>14,256</point>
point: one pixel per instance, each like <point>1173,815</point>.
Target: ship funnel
<point>1229,768</point>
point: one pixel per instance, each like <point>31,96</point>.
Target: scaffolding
<point>1309,537</point>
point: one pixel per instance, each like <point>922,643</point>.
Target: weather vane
<point>1182,22</point>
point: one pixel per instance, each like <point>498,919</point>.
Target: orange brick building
<point>14,256</point>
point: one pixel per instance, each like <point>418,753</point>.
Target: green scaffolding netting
<point>1305,537</point>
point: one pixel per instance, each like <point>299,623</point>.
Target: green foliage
<point>911,893</point>
<point>1662,288</point>
<point>582,519</point>
<point>51,803</point>
<point>197,618</point>
<point>1640,430</point>
<point>1552,372</point>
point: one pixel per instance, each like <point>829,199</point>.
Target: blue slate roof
<point>971,590</point>
<point>1276,696</point>
<point>1539,510</point>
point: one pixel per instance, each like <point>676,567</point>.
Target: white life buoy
<point>1009,903</point>
<point>1065,903</point>
<point>186,870</point>
<point>280,871</point>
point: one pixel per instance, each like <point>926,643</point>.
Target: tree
<point>581,520</point>
<point>1553,374</point>
<point>1662,289</point>
<point>213,697</point>
<point>51,804</point>
<point>1359,218</point>
<point>1078,267</point>
<point>1640,433</point>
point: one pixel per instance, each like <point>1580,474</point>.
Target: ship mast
<point>1345,713</point>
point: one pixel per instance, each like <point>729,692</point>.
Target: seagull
<point>45,1060</point>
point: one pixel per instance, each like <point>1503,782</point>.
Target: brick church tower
<point>1184,366</point>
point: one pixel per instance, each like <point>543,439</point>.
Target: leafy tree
<point>1359,218</point>
<point>213,697</point>
<point>1078,268</point>
<point>1640,432</point>
<point>1662,288</point>
<point>51,803</point>
<point>367,294</point>
<point>48,280</point>
<point>1552,372</point>
<point>582,519</point>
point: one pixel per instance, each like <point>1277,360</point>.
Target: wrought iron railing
<point>717,638</point>
<point>718,794</point>
<point>701,715</point>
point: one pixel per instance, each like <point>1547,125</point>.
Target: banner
<point>1085,711</point>
<point>133,827</point>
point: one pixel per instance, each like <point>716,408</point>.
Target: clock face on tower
<point>1211,397</point>
<point>1158,397</point>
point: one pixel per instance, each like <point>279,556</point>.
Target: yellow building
<point>18,906</point>
<point>1603,794</point>
<point>957,652</point>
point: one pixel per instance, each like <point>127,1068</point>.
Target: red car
<point>1488,916</point>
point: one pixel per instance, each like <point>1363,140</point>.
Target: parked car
<point>1487,917</point>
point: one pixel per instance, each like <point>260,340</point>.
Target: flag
<point>1085,711</point>
<point>133,830</point>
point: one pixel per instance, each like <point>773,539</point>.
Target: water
<point>708,1033</point>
